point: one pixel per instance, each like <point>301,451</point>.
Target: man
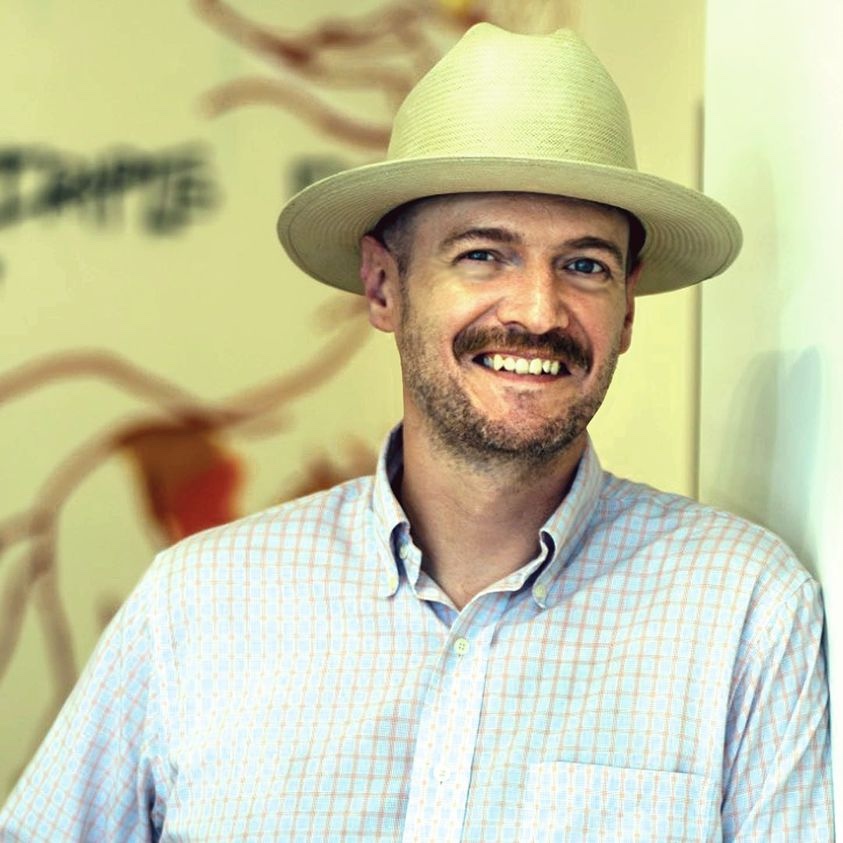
<point>492,639</point>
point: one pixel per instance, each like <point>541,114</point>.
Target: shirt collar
<point>568,523</point>
<point>559,536</point>
<point>392,527</point>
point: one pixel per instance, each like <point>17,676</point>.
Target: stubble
<point>464,432</point>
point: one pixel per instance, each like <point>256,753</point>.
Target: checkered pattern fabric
<point>654,674</point>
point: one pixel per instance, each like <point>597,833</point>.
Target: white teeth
<point>521,365</point>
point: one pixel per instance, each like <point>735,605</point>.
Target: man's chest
<point>578,718</point>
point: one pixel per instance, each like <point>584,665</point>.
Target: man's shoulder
<point>321,523</point>
<point>669,512</point>
<point>246,580</point>
<point>688,533</point>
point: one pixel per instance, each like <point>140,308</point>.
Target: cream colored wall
<point>214,309</point>
<point>647,428</point>
<point>218,308</point>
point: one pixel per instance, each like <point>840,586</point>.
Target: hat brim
<point>689,237</point>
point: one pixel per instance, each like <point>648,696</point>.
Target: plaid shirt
<point>654,674</point>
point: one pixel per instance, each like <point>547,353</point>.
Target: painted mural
<point>384,52</point>
<point>157,193</point>
<point>136,288</point>
<point>184,461</point>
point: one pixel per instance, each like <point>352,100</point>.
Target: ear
<point>379,274</point>
<point>629,316</point>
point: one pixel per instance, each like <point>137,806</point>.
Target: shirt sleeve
<point>777,762</point>
<point>97,776</point>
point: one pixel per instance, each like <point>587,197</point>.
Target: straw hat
<point>507,112</point>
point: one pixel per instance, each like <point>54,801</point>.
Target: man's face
<point>509,319</point>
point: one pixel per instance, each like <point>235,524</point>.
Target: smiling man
<point>509,312</point>
<point>493,268</point>
<point>492,638</point>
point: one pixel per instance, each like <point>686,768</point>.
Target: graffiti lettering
<point>309,169</point>
<point>174,186</point>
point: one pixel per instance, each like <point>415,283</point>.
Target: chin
<point>493,442</point>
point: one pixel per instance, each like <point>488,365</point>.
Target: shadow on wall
<point>769,455</point>
<point>765,464</point>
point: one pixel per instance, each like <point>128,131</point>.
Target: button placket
<point>447,739</point>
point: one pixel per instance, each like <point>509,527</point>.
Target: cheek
<point>608,331</point>
<point>626,337</point>
<point>429,319</point>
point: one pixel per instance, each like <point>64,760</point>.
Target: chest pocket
<point>588,803</point>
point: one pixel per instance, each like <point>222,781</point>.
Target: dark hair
<point>637,239</point>
<point>394,230</point>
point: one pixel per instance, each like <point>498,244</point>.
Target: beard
<point>466,432</point>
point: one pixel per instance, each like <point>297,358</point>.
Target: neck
<point>475,522</point>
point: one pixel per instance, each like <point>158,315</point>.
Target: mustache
<point>554,344</point>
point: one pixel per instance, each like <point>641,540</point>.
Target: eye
<point>478,255</point>
<point>586,266</point>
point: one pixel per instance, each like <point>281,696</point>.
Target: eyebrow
<point>598,243</point>
<point>496,235</point>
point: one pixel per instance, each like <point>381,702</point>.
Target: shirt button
<point>540,591</point>
<point>443,774</point>
<point>392,582</point>
<point>461,646</point>
<point>404,550</point>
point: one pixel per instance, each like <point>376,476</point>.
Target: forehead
<point>517,211</point>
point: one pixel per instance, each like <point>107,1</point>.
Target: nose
<point>533,302</point>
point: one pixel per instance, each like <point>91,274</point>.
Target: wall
<point>772,361</point>
<point>156,347</point>
<point>647,428</point>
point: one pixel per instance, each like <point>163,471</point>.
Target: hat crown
<point>499,94</point>
<point>507,112</point>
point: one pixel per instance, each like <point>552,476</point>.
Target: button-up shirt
<point>655,673</point>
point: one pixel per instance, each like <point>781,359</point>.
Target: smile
<point>522,365</point>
